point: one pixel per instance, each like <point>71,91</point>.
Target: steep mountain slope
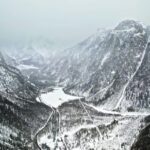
<point>110,69</point>
<point>102,67</point>
<point>13,82</point>
<point>105,68</point>
<point>138,93</point>
<point>143,140</point>
<point>20,114</point>
<point>30,57</point>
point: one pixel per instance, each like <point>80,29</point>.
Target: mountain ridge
<point>109,69</point>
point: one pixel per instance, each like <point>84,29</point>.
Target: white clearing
<point>56,97</point>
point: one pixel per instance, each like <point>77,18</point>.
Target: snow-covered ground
<point>56,97</point>
<point>112,137</point>
<point>47,141</point>
<point>99,109</point>
<point>26,67</point>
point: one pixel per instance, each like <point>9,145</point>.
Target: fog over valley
<point>74,75</point>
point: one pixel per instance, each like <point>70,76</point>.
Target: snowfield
<point>56,97</point>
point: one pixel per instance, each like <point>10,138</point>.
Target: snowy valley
<point>92,96</point>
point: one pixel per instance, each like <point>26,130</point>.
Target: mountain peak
<point>129,24</point>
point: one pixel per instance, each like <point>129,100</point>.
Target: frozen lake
<point>56,97</point>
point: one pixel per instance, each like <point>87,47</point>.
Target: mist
<point>65,22</point>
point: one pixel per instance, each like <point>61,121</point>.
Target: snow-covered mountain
<point>109,70</point>
<point>20,114</point>
<point>30,57</point>
<point>106,67</point>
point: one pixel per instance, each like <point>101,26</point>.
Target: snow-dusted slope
<point>110,68</point>
<point>102,67</point>
<point>12,82</point>
<point>137,92</point>
<point>20,114</point>
<point>30,57</point>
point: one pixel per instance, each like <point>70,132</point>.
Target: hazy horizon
<point>65,22</point>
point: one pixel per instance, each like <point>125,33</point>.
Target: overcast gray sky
<point>66,21</point>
